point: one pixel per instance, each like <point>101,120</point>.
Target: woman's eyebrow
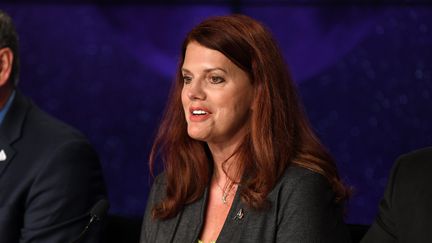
<point>185,70</point>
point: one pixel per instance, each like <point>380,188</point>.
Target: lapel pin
<point>3,156</point>
<point>239,215</point>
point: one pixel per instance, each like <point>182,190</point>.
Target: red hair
<point>279,132</point>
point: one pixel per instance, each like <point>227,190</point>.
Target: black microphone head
<point>99,209</point>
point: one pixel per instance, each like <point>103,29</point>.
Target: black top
<point>303,210</point>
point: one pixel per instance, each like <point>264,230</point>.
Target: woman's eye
<point>216,79</point>
<point>187,79</point>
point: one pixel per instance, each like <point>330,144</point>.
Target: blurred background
<point>363,69</point>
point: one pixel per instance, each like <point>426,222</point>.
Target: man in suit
<point>405,213</point>
<point>50,176</point>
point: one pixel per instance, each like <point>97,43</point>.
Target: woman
<point>241,163</point>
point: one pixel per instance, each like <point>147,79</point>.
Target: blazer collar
<point>231,231</point>
<point>14,119</point>
<point>11,128</point>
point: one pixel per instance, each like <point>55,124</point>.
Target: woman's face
<point>217,96</point>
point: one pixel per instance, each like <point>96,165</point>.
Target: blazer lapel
<point>6,154</point>
<point>186,226</point>
<point>167,229</point>
<point>237,218</point>
<point>11,129</point>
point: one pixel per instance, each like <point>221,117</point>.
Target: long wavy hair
<point>279,132</point>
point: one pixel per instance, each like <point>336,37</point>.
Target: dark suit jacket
<point>50,179</point>
<point>303,210</point>
<point>406,210</point>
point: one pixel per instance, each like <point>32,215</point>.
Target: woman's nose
<point>196,91</point>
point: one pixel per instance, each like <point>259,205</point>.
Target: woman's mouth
<point>198,114</point>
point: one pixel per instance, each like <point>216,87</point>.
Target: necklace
<point>225,192</point>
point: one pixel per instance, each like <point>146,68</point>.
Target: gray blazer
<point>303,210</point>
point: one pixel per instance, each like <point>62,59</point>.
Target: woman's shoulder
<point>295,174</point>
<point>160,179</point>
<point>306,208</point>
<point>158,187</point>
<point>302,183</point>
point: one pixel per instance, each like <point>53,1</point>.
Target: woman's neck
<point>226,167</point>
<point>225,157</point>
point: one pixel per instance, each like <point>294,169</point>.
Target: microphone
<point>97,213</point>
<point>99,210</point>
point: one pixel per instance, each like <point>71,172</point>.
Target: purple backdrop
<point>364,74</point>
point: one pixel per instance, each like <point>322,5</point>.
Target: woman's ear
<point>6,59</point>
